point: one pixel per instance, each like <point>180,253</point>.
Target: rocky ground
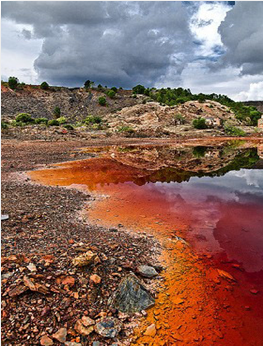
<point>65,282</point>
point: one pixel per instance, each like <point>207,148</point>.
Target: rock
<point>108,327</point>
<point>60,335</point>
<point>84,259</point>
<point>87,321</point>
<point>226,275</point>
<point>147,271</point>
<point>32,267</point>
<point>46,341</point>
<point>150,331</point>
<point>131,296</point>
<point>254,291</point>
<point>113,230</point>
<point>4,217</point>
<point>17,290</point>
<point>81,329</point>
<point>97,343</point>
<point>95,279</point>
<point>70,343</point>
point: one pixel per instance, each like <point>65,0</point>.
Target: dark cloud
<point>242,35</point>
<point>113,43</point>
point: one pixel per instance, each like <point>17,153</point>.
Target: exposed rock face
<point>131,296</point>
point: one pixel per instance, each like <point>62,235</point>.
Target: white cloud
<point>255,92</point>
<point>204,26</point>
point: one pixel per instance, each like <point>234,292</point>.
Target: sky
<point>205,46</point>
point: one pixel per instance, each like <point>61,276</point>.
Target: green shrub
<point>102,101</point>
<point>231,130</point>
<point>139,89</point>
<point>13,82</point>
<point>61,120</point>
<point>41,121</point>
<point>68,127</point>
<point>126,129</point>
<point>111,94</point>
<point>44,85</point>
<point>92,120</point>
<point>100,87</point>
<point>199,123</point>
<point>24,118</point>
<point>57,112</point>
<point>53,122</point>
<point>179,118</point>
<point>4,125</point>
<point>114,89</point>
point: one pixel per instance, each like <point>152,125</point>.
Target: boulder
<point>132,296</point>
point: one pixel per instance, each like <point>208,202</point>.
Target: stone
<point>108,327</point>
<point>32,267</point>
<point>46,341</point>
<point>95,279</point>
<point>147,271</point>
<point>131,296</point>
<point>150,331</point>
<point>70,343</point>
<point>4,217</point>
<point>87,321</point>
<point>84,259</point>
<point>81,329</point>
<point>60,335</point>
<point>97,343</point>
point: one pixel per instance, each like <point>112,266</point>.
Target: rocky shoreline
<point>48,298</point>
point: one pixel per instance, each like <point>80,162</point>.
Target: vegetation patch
<point>199,123</point>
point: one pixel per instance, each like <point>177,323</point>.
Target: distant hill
<point>257,104</point>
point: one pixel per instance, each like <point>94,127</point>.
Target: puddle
<point>204,204</point>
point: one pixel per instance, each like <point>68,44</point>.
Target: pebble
<point>150,331</point>
<point>46,341</point>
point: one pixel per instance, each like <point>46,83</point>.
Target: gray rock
<point>108,327</point>
<point>97,343</point>
<point>147,271</point>
<point>131,296</point>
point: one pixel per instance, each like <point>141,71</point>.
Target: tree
<point>88,84</point>
<point>57,112</point>
<point>114,89</point>
<point>13,82</point>
<point>139,89</point>
<point>44,85</point>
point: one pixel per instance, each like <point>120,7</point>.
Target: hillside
<point>125,113</point>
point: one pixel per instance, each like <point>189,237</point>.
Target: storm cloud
<point>113,43</point>
<point>205,46</point>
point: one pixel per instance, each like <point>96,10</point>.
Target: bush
<point>61,120</point>
<point>100,87</point>
<point>92,120</point>
<point>114,89</point>
<point>199,123</point>
<point>126,129</point>
<point>13,82</point>
<point>179,119</point>
<point>139,89</point>
<point>102,101</point>
<point>68,127</point>
<point>44,85</point>
<point>111,94</point>
<point>57,112</point>
<point>4,125</point>
<point>41,121</point>
<point>53,122</point>
<point>231,130</point>
<point>25,118</point>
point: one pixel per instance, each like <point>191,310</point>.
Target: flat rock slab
<point>147,271</point>
<point>131,296</point>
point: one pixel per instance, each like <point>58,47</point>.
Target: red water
<point>220,221</point>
